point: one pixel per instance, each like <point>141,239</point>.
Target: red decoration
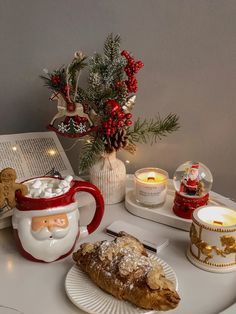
<point>185,205</point>
<point>131,68</point>
<point>128,122</point>
<point>119,118</point>
<point>66,89</point>
<point>113,105</point>
<point>70,106</point>
<point>120,84</point>
<point>56,80</point>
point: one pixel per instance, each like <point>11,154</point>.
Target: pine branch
<point>92,150</point>
<point>112,47</point>
<point>144,131</point>
<point>104,73</point>
<point>48,82</point>
<point>82,95</point>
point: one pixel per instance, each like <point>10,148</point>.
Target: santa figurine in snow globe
<point>192,182</point>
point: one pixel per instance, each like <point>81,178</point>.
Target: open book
<point>31,155</point>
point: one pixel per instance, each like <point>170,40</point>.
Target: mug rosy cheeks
<point>53,233</point>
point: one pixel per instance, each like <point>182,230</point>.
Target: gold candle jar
<point>213,239</point>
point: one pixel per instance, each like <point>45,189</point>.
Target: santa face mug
<point>46,226</point>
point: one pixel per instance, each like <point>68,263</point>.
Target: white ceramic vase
<point>109,175</point>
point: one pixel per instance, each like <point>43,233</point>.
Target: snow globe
<point>192,182</point>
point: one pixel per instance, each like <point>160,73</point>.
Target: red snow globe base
<point>184,206</point>
<point>192,181</point>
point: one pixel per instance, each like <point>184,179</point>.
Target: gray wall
<point>189,51</point>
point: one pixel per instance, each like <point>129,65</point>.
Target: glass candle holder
<point>151,186</point>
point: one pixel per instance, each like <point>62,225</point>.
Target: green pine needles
<point>150,131</point>
<point>109,99</point>
<point>104,73</point>
<point>92,150</point>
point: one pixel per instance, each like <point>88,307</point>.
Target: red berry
<point>113,113</point>
<point>122,115</point>
<point>119,114</point>
<point>55,79</point>
<point>124,53</point>
<point>128,122</point>
<point>128,115</point>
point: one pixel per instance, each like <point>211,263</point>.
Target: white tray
<point>164,213</point>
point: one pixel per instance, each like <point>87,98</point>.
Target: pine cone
<point>117,141</point>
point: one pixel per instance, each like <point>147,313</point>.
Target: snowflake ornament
<point>81,128</point>
<point>63,128</point>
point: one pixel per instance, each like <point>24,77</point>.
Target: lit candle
<point>213,239</point>
<point>218,216</point>
<point>151,186</point>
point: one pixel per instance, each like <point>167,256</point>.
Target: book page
<point>33,154</point>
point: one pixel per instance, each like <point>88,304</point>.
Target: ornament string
<point>77,81</point>
<point>67,82</point>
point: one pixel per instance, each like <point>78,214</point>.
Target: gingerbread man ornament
<point>8,187</point>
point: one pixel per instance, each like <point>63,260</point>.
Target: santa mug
<point>46,229</point>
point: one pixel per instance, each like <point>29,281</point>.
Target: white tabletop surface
<point>37,288</point>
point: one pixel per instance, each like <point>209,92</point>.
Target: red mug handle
<point>82,186</point>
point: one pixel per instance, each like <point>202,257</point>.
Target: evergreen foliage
<point>144,131</point>
<point>104,73</point>
<point>111,78</point>
<point>92,150</point>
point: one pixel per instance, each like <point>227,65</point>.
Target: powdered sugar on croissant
<point>122,267</point>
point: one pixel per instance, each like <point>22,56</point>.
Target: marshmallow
<point>65,189</point>
<point>37,193</point>
<point>46,195</point>
<point>37,183</point>
<point>68,179</point>
<point>44,184</point>
<point>63,184</point>
<point>47,188</point>
<point>57,191</point>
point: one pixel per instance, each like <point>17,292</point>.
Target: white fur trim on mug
<point>18,214</point>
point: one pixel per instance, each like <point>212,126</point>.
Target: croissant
<point>122,268</point>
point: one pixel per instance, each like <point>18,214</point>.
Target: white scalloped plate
<point>91,299</point>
